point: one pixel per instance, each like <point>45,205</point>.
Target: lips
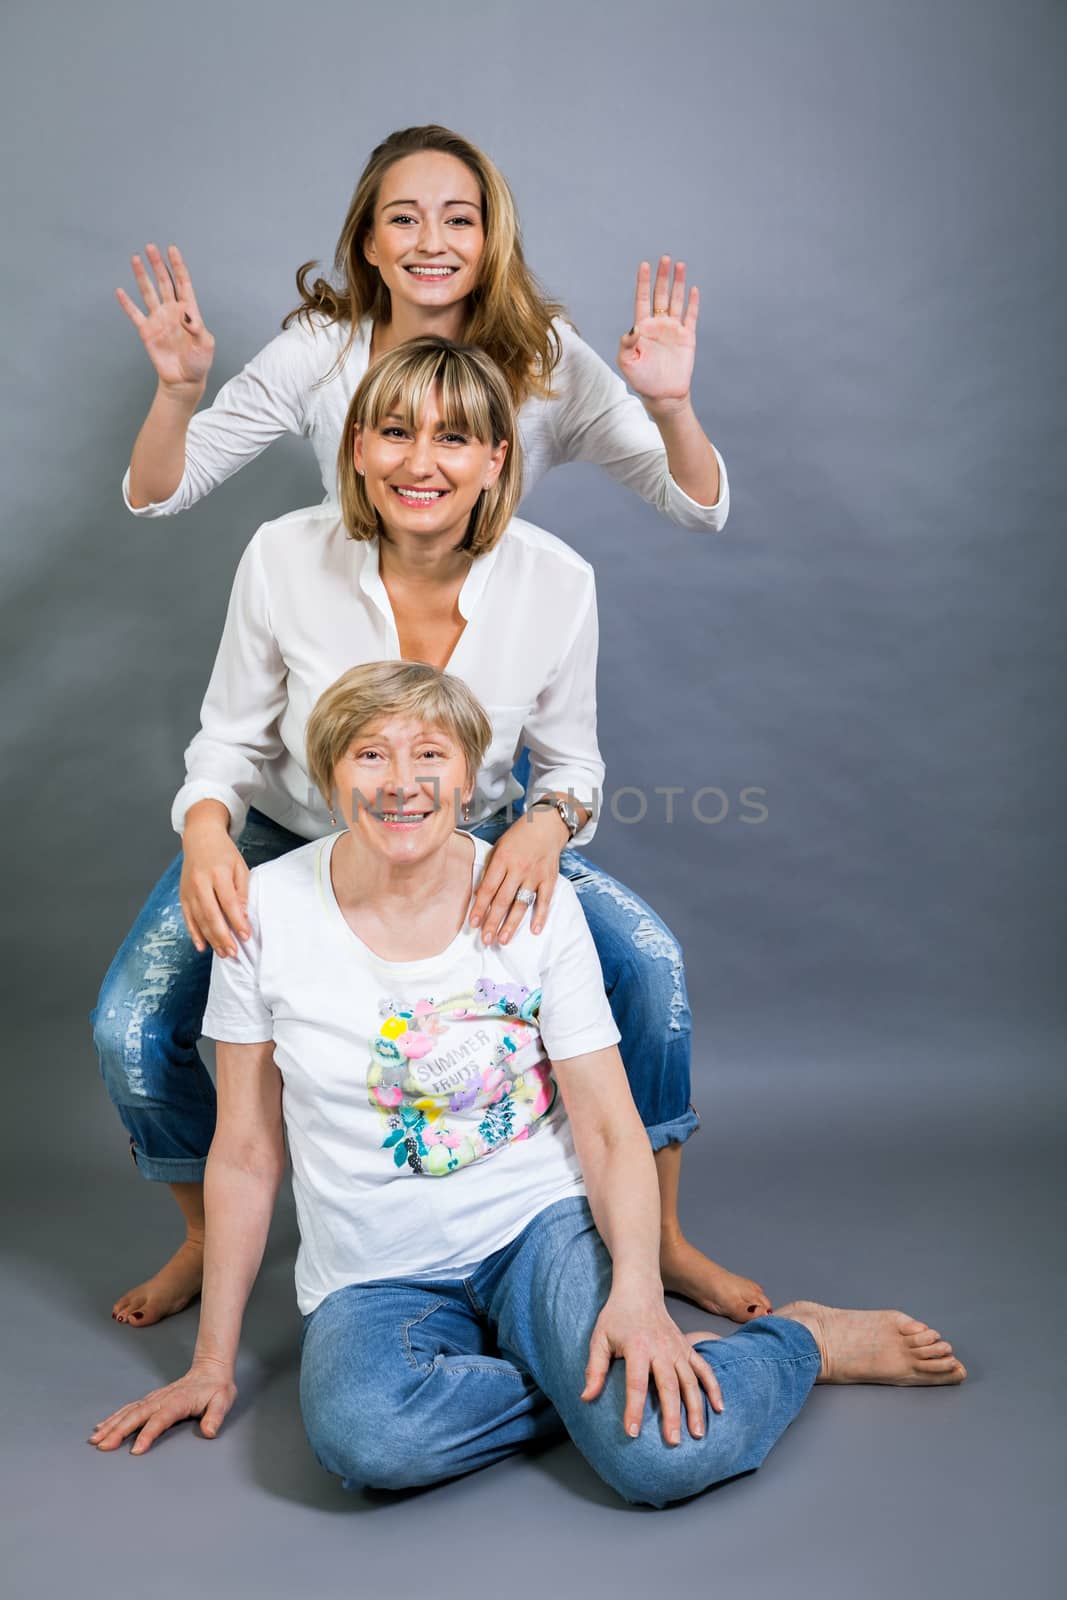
<point>431,273</point>
<point>417,497</point>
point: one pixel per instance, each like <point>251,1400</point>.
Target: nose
<point>400,781</point>
<point>420,456</point>
<point>431,237</point>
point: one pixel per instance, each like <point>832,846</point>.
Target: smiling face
<point>427,236</point>
<point>401,786</point>
<point>425,480</point>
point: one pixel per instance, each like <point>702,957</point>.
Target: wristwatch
<point>571,820</point>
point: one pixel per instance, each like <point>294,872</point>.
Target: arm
<point>620,1179</point>
<point>181,455</point>
<point>238,733</point>
<point>244,1170</point>
<point>581,1038</point>
<point>561,735</point>
<point>650,441</point>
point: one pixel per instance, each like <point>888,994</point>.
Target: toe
<point>926,1337</point>
<point>939,1364</point>
<point>911,1325</point>
<point>933,1352</point>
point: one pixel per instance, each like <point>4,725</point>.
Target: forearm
<point>157,463</point>
<point>690,455</point>
<point>239,1198</point>
<point>621,1183</point>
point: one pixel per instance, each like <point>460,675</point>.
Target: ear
<point>496,463</point>
<point>370,250</point>
<point>357,450</point>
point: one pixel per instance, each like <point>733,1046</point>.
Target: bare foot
<point>686,1271</point>
<point>876,1346</point>
<point>169,1291</point>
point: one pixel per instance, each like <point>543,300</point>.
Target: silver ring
<point>525,897</point>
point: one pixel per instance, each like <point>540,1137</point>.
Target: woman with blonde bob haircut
<point>430,245</point>
<point>425,564</point>
<point>479,1257</point>
<point>473,396</point>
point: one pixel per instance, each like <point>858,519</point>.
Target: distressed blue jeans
<point>405,1383</point>
<point>147,1020</point>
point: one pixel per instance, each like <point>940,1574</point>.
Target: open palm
<point>656,357</point>
<point>171,327</point>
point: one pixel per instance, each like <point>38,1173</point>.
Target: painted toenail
<point>138,1315</point>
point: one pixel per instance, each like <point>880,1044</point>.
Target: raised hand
<point>207,1391</point>
<point>656,356</point>
<point>173,333</point>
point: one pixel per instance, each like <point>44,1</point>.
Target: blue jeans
<point>407,1383</point>
<point>147,1020</point>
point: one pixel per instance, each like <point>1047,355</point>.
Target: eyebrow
<point>438,422</point>
<point>473,204</point>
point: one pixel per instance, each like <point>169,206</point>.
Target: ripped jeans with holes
<point>147,1020</point>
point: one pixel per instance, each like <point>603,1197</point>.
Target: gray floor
<point>912,1194</point>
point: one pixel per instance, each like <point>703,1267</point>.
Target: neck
<point>392,890</point>
<point>433,560</point>
<point>411,322</point>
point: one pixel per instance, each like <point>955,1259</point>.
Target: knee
<point>645,1471</point>
<point>651,966</point>
<point>129,1033</point>
<point>366,1450</point>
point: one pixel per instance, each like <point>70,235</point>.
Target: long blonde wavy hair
<point>510,319</point>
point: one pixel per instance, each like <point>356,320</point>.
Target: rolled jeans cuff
<point>676,1131</point>
<point>168,1169</point>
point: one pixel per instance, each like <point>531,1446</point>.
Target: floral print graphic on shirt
<point>456,1079</point>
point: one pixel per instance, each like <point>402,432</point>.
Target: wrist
<point>218,1366</point>
<point>569,815</point>
<point>206,817</point>
<point>636,1280</point>
<point>669,410</point>
<point>180,399</point>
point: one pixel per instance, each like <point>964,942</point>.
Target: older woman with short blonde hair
<point>476,1194</point>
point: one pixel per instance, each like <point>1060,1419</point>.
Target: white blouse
<point>308,602</point>
<point>591,416</point>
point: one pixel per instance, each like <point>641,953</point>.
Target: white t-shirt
<point>591,416</point>
<point>424,1123</point>
<point>308,602</point>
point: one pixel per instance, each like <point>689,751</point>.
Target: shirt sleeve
<point>245,698</point>
<point>236,1012</point>
<point>560,731</point>
<point>575,1016</point>
<point>269,397</point>
<point>597,419</point>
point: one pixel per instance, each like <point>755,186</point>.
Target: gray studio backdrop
<point>869,195</point>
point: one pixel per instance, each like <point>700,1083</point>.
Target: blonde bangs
<point>465,404</point>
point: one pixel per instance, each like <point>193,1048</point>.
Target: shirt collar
<point>370,581</point>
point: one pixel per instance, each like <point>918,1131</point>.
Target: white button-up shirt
<point>308,602</point>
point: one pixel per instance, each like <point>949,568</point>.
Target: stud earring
<point>333,820</point>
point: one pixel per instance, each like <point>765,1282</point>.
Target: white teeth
<point>432,272</point>
<point>425,495</point>
<point>401,816</point>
